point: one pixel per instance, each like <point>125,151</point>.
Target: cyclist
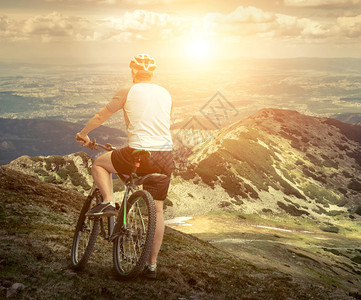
<point>147,108</point>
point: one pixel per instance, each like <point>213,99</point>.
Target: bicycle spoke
<point>132,244</point>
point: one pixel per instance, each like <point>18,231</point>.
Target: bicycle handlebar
<point>93,145</point>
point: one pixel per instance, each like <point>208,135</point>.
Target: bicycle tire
<point>141,222</point>
<point>86,233</point>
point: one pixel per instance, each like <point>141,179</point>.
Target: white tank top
<point>147,108</point>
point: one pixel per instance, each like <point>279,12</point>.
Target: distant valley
<point>311,86</point>
<point>48,137</point>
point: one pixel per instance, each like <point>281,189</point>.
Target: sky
<point>110,31</point>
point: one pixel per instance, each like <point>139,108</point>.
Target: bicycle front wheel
<point>86,233</point>
<point>132,247</point>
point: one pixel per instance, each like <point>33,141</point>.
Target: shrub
<point>290,190</point>
<point>37,158</point>
<point>308,173</point>
<point>287,175</point>
<point>77,179</point>
<point>320,210</point>
<point>333,213</point>
<point>63,173</point>
<point>211,167</point>
<point>224,204</point>
<point>313,159</point>
<point>232,186</point>
<point>354,185</point>
<point>292,210</point>
<point>299,162</point>
<point>55,159</point>
<point>41,172</point>
<point>357,259</point>
<point>188,174</point>
<point>342,201</point>
<point>50,179</point>
<point>321,194</point>
<point>86,186</point>
<point>332,229</point>
<point>330,164</point>
<point>71,167</point>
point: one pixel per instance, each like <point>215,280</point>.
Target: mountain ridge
<point>300,160</point>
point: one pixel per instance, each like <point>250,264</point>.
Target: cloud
<point>147,25</point>
<point>242,21</point>
<point>350,26</point>
<point>323,3</point>
<point>290,26</point>
<point>112,2</point>
<point>251,21</point>
<point>139,24</point>
<point>56,27</point>
<point>9,29</point>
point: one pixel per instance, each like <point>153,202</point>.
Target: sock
<point>112,203</point>
<point>152,267</point>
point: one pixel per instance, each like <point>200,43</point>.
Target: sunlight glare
<point>199,49</point>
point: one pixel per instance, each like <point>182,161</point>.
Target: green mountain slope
<point>282,161</point>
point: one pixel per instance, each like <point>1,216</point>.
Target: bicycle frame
<point>116,227</point>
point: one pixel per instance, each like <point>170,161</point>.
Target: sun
<point>199,49</point>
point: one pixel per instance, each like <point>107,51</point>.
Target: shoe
<point>102,210</point>
<point>148,273</point>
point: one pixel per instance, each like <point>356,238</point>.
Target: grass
<point>37,223</point>
<point>295,252</point>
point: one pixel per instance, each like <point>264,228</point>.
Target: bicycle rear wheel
<point>86,233</point>
<point>132,247</point>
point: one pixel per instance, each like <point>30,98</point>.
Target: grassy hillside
<point>37,221</point>
<point>282,161</point>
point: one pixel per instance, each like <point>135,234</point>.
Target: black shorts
<point>159,162</point>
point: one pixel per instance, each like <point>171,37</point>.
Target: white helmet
<point>143,62</point>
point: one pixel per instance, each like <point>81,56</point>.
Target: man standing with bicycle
<point>147,109</point>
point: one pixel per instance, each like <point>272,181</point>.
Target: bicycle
<point>131,231</point>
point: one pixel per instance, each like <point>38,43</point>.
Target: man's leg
<point>159,232</point>
<point>101,170</point>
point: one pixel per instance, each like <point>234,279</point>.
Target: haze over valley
<point>318,87</point>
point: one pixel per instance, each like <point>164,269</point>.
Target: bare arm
<point>100,117</point>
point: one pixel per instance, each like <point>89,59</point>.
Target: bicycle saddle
<point>148,178</point>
